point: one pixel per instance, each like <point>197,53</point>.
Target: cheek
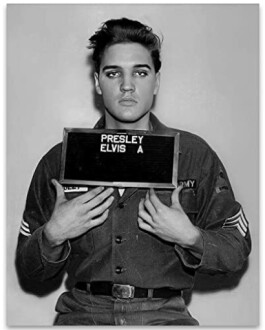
<point>108,88</point>
<point>147,93</point>
<point>109,98</point>
<point>148,87</point>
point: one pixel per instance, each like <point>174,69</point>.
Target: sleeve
<point>221,221</point>
<point>32,261</point>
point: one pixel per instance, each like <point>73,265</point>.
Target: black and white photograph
<point>132,165</point>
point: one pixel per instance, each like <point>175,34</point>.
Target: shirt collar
<point>155,124</point>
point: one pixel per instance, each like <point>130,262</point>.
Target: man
<point>129,255</point>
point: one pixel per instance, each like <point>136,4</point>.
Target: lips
<point>127,101</point>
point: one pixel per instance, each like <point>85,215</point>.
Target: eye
<point>141,73</point>
<point>113,74</point>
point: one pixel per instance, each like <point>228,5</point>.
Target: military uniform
<point>119,252</point>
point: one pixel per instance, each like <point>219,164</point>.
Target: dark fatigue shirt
<point>120,252</point>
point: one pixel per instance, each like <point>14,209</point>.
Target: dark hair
<point>124,30</point>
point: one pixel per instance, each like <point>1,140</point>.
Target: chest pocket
<point>84,244</point>
<point>188,201</point>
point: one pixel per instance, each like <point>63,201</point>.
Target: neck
<point>142,124</point>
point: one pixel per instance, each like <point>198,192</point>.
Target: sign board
<point>119,158</point>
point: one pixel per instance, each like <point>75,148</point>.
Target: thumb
<point>59,190</point>
<point>175,197</point>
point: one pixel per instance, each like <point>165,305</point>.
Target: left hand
<point>169,223</point>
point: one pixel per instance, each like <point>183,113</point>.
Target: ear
<point>97,86</point>
<point>157,83</point>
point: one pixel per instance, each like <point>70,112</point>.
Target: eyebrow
<point>137,66</point>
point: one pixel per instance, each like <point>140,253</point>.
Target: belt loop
<point>88,287</point>
<point>150,293</point>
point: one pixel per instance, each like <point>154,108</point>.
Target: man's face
<point>127,81</point>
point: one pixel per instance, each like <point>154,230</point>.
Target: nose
<point>127,84</point>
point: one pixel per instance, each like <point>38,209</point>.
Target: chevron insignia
<point>238,221</point>
<point>24,228</point>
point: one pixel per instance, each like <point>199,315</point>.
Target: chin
<point>126,116</point>
<point>128,119</point>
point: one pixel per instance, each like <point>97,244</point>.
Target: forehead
<point>126,55</point>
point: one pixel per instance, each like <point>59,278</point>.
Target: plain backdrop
<point>209,86</point>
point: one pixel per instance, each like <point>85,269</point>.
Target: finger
<point>98,221</point>
<point>143,214</point>
<point>148,205</point>
<point>59,190</point>
<point>158,205</point>
<point>101,209</point>
<point>175,197</point>
<point>86,197</point>
<point>99,199</point>
<point>143,225</point>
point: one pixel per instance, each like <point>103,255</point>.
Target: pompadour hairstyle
<point>124,30</point>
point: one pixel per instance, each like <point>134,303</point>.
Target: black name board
<point>119,158</point>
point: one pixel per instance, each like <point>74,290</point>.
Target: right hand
<point>72,218</point>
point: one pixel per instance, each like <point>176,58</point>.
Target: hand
<point>169,223</point>
<point>73,218</point>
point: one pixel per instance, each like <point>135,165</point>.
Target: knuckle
<point>101,208</point>
<point>106,204</point>
<point>100,198</point>
<point>159,210</point>
<point>146,203</point>
<point>156,218</point>
<point>90,194</point>
<point>88,216</point>
<point>110,200</point>
<point>141,213</point>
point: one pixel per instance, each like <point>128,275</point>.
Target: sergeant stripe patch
<point>24,228</point>
<point>238,221</point>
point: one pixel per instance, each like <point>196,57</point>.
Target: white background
<point>209,85</point>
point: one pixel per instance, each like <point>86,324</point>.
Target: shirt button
<point>118,239</point>
<point>119,270</point>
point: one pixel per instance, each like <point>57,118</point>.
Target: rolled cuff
<point>51,256</point>
<point>187,258</point>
